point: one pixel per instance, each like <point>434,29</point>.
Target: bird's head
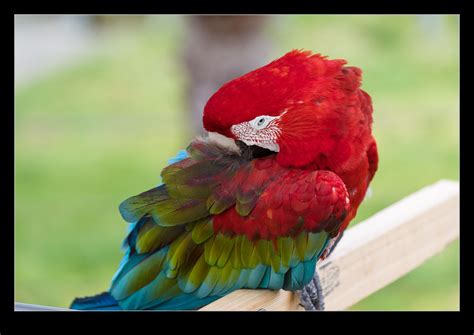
<point>303,107</point>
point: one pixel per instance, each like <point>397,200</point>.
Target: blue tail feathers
<point>103,301</point>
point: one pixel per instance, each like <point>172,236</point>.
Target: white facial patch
<point>262,131</point>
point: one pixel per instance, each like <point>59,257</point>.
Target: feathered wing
<point>219,223</point>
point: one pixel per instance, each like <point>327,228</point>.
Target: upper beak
<point>224,141</point>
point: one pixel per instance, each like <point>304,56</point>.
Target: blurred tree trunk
<point>218,49</point>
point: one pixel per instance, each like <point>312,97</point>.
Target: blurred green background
<point>93,133</point>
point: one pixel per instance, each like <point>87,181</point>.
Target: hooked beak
<point>250,152</point>
<point>223,141</point>
<point>246,151</point>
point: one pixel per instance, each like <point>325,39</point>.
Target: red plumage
<point>325,123</point>
<point>257,212</point>
<point>281,195</point>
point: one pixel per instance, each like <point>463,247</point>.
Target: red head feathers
<point>306,107</point>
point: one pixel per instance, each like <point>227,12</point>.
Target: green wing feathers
<point>174,250</point>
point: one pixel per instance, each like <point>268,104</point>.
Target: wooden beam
<point>20,307</point>
<point>372,254</point>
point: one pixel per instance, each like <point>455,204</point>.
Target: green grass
<point>89,136</point>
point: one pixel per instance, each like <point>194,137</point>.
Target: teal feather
<point>276,280</point>
<point>294,278</point>
<point>209,283</point>
<point>266,278</point>
<point>256,276</point>
<point>185,302</point>
<point>309,268</point>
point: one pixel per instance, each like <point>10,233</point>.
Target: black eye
<point>261,121</point>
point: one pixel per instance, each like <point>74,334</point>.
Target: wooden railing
<point>370,256</point>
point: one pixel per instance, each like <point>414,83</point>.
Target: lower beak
<point>252,151</point>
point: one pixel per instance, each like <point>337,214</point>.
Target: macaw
<point>287,161</point>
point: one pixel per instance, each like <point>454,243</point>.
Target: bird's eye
<point>262,121</point>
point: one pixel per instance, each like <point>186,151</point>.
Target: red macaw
<point>287,162</point>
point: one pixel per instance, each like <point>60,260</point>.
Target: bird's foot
<point>312,297</point>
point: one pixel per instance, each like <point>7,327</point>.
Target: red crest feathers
<point>328,118</point>
<point>295,77</point>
